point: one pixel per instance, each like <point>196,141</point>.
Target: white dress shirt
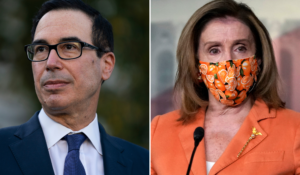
<point>90,152</point>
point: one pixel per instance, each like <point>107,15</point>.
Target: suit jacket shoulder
<point>6,134</point>
<point>23,149</point>
<point>130,147</point>
<point>7,161</point>
<point>123,157</point>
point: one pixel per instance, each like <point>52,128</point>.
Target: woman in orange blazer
<point>227,80</point>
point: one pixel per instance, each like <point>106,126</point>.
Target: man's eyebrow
<point>40,41</point>
<point>73,38</point>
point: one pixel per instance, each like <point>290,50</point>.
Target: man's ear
<point>108,64</point>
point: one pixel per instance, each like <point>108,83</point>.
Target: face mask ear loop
<point>199,74</point>
<point>199,70</point>
<point>253,86</point>
<point>258,72</point>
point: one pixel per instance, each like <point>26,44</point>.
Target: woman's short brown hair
<point>194,94</point>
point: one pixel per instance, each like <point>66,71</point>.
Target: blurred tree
<point>124,99</point>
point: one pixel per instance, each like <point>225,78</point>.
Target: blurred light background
<point>168,17</point>
<point>124,99</point>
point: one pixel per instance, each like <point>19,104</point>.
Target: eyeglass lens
<point>69,50</point>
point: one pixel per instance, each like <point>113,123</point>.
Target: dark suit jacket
<point>23,150</point>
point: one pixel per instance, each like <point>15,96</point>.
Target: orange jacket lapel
<point>187,141</point>
<point>258,112</point>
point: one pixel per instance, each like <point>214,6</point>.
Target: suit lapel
<point>31,151</point>
<point>187,142</point>
<point>258,112</point>
<point>114,162</point>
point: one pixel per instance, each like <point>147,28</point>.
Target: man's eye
<point>40,49</point>
<point>214,51</point>
<point>70,47</point>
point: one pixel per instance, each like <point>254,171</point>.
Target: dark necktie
<point>73,165</point>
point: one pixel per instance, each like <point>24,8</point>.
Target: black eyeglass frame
<point>83,44</point>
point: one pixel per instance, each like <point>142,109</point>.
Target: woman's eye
<point>214,51</point>
<point>241,49</point>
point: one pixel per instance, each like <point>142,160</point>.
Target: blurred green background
<point>123,107</point>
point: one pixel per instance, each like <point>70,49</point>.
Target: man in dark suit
<point>72,55</point>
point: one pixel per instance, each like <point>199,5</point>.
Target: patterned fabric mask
<point>230,81</point>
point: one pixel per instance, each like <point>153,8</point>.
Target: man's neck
<point>73,120</point>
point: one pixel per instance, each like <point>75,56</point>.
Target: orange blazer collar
<point>258,112</point>
<point>187,141</point>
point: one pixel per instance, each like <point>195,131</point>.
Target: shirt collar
<point>54,131</point>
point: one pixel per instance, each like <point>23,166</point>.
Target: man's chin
<point>55,107</point>
<point>55,101</point>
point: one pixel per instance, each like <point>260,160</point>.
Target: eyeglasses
<point>65,50</point>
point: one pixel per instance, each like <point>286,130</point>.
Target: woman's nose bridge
<point>227,54</point>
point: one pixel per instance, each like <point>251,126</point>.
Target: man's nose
<point>53,61</point>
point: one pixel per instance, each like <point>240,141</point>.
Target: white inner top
<point>209,165</point>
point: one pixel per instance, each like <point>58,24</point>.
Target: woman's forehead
<point>225,29</point>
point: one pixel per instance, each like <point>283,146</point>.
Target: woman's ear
<point>259,61</point>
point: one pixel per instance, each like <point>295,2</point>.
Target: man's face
<point>68,84</point>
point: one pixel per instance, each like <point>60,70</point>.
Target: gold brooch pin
<point>253,135</point>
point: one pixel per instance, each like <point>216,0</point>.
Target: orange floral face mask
<point>229,81</point>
